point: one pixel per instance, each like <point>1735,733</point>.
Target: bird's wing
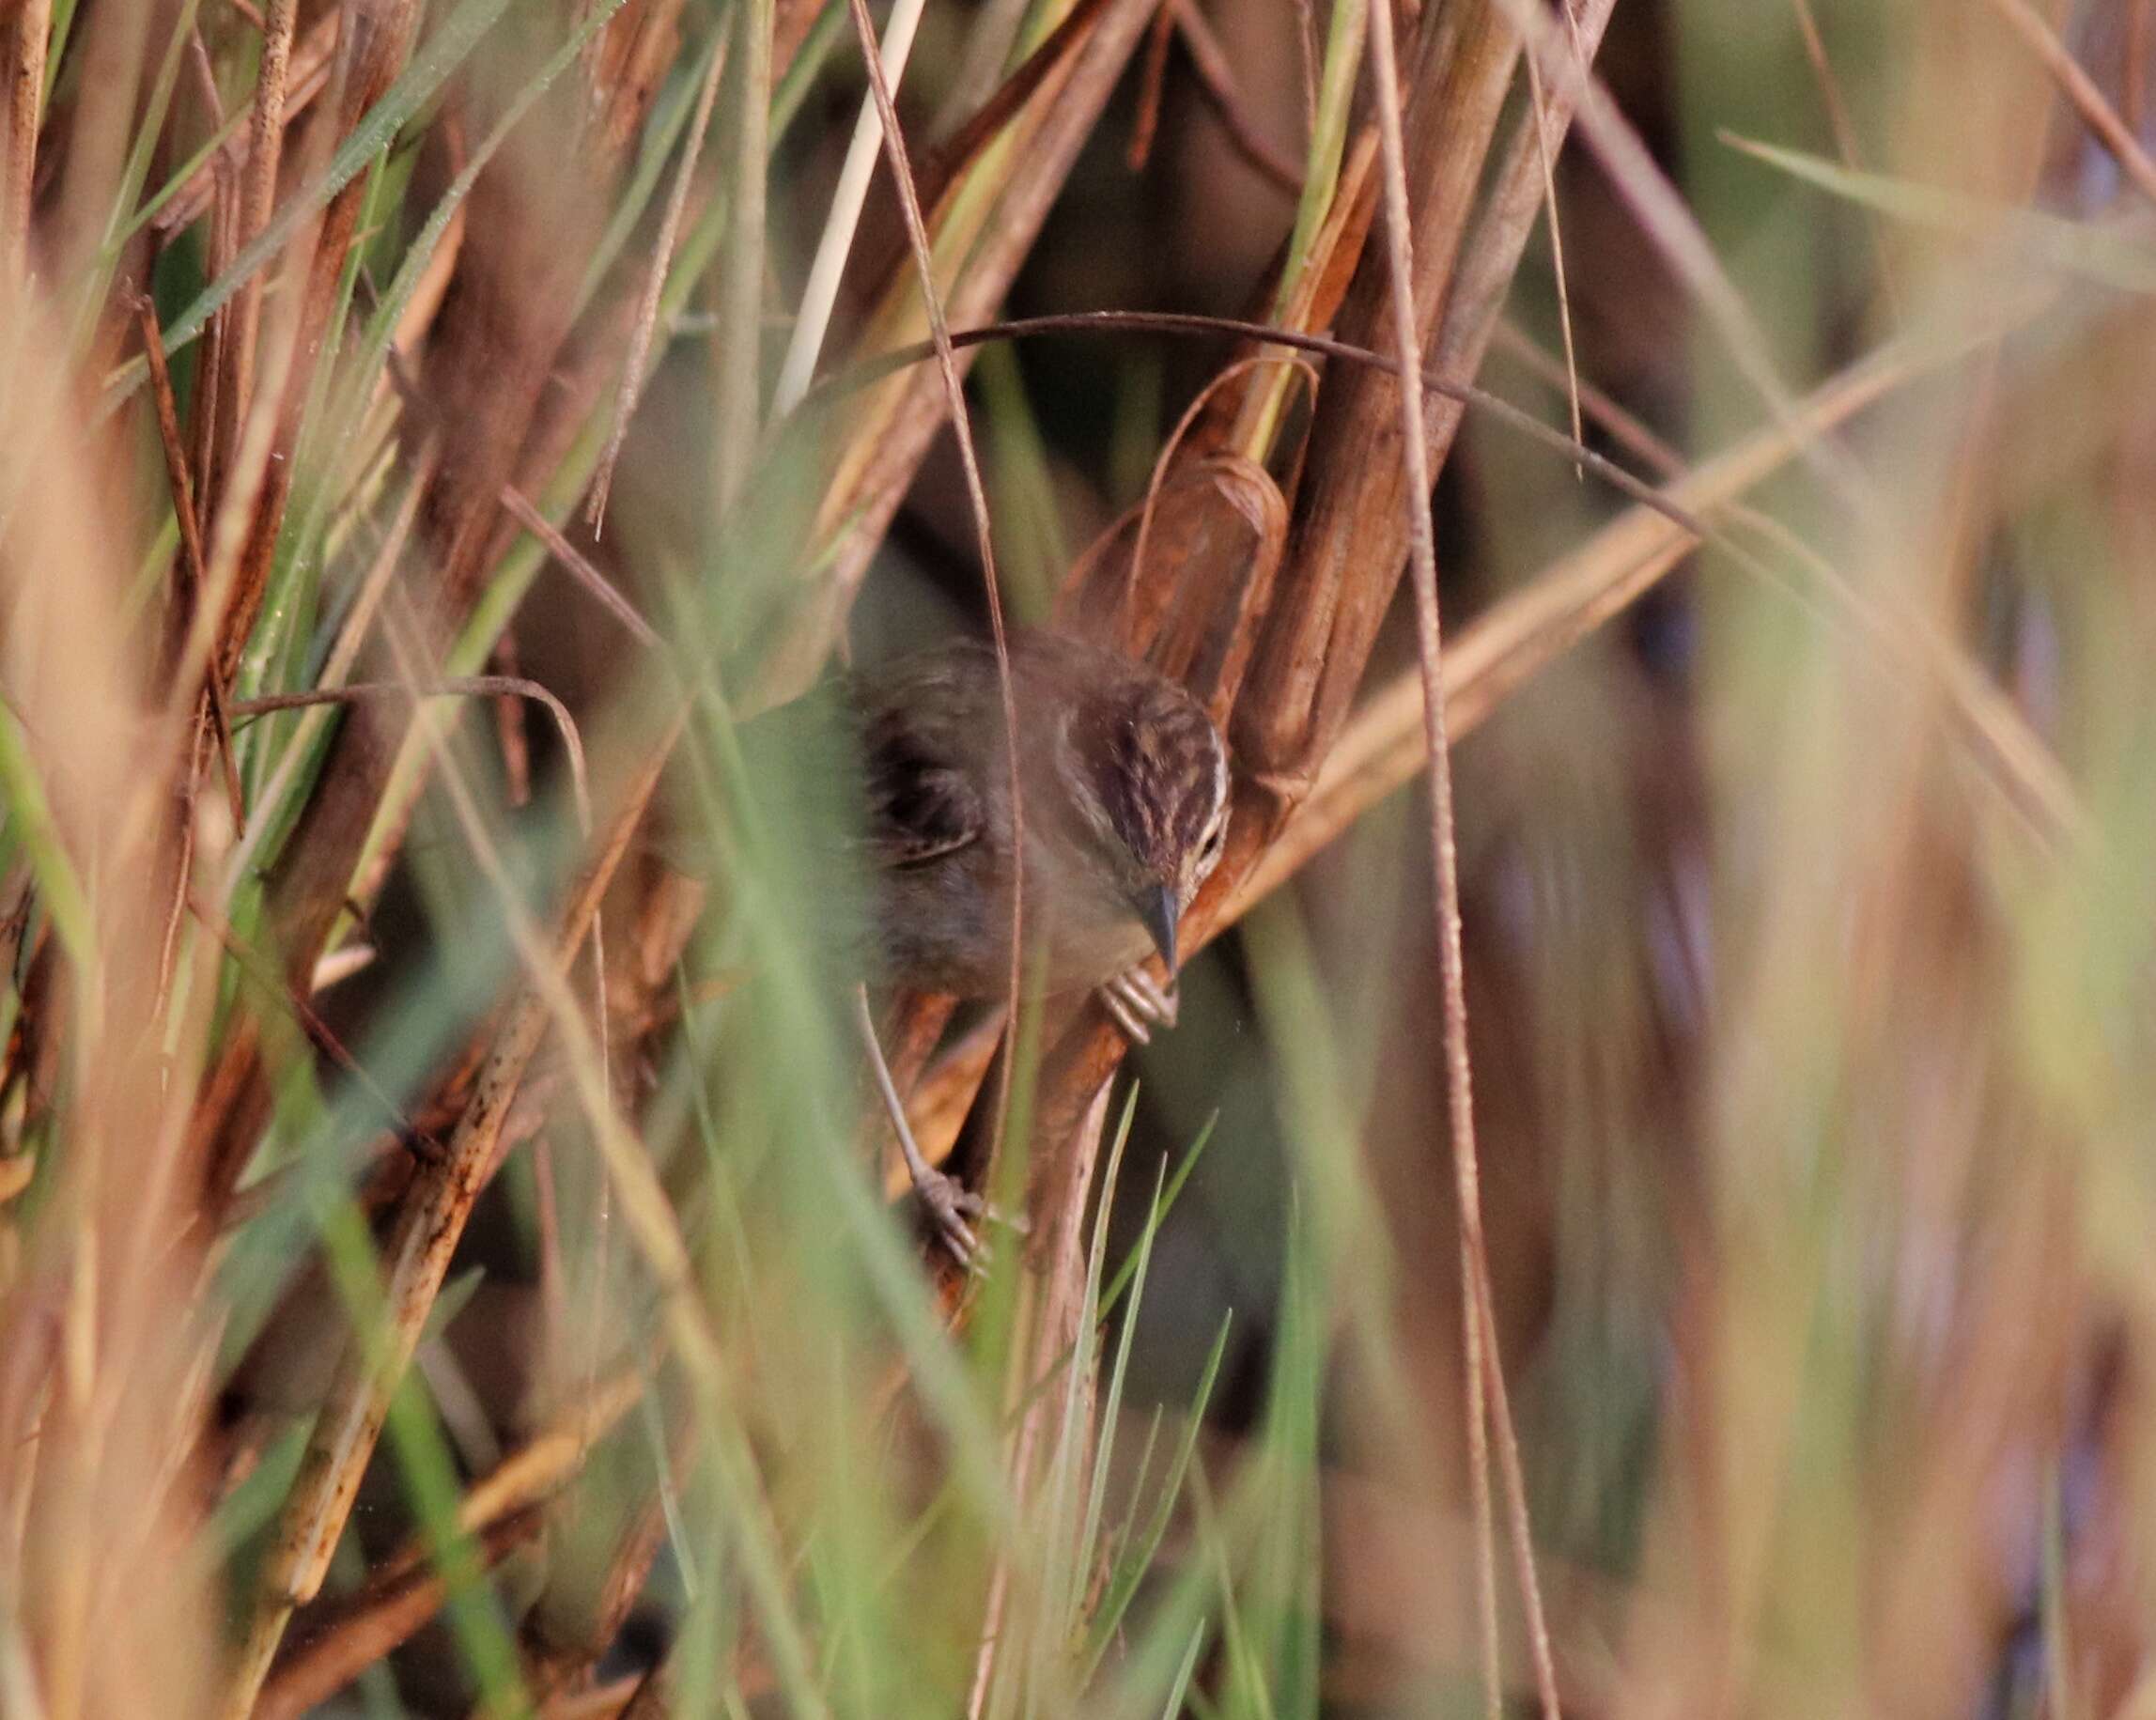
<point>923,802</point>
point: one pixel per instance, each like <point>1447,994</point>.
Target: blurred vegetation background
<point>450,1262</point>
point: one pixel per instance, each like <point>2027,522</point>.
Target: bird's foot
<point>959,1216</point>
<point>1139,1003</point>
<point>954,1211</point>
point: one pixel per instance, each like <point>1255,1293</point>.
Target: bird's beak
<point>1159,909</point>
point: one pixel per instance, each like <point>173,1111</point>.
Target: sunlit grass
<point>1806,913</point>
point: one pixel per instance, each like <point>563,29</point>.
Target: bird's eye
<point>1209,850</point>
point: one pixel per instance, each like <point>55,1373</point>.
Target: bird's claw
<point>950,1206</point>
<point>1139,1003</point>
<point>959,1216</point>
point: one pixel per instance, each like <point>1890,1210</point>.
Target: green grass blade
<point>2118,256</point>
<point>1065,1586</point>
<point>1130,1573</point>
<point>1180,1690</point>
<point>1111,1405</point>
<point>23,796</point>
<point>1164,1205</point>
<point>442,52</point>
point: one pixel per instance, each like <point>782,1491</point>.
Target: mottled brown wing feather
<point>921,806</point>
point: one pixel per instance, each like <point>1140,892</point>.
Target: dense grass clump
<point>1646,1213</point>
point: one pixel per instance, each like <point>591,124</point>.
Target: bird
<point>904,768</point>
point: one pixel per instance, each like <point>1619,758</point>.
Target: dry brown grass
<point>1706,1151</point>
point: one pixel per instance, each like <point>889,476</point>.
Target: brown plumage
<point>885,797</point>
<point>1124,781</point>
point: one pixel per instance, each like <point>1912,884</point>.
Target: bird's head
<point>1153,787</point>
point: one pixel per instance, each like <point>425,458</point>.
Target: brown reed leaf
<point>305,76</point>
<point>23,38</point>
<point>1220,524</point>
